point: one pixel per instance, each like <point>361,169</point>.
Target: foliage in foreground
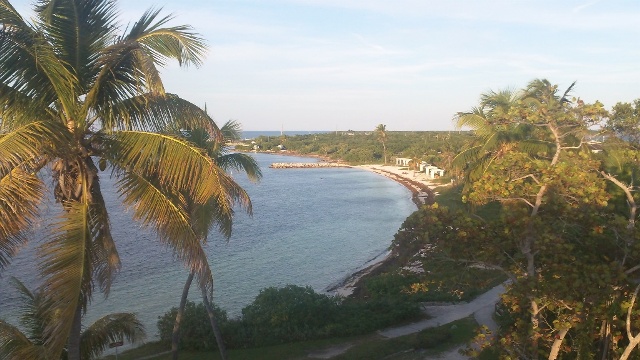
<point>565,232</point>
<point>79,93</point>
<point>288,314</point>
<point>413,346</point>
<point>94,339</point>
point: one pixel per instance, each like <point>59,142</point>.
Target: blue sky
<point>408,64</point>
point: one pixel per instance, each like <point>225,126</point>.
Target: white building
<point>403,161</point>
<point>433,171</point>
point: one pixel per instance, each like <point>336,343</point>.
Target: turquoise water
<point>310,227</point>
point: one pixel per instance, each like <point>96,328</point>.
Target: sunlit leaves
<point>20,194</point>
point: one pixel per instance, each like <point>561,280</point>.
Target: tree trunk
<point>73,344</point>
<point>632,345</point>
<point>384,149</point>
<point>214,325</point>
<point>175,336</point>
<point>555,348</point>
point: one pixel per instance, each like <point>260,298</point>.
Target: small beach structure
<point>433,171</point>
<point>403,161</point>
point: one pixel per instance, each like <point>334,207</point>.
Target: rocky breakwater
<point>307,165</point>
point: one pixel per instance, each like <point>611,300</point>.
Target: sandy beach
<point>418,182</point>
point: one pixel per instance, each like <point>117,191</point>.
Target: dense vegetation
<point>358,147</point>
<point>554,210</point>
<point>289,314</point>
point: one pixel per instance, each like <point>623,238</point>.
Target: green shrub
<point>360,317</point>
<point>389,284</point>
<point>287,314</point>
<point>195,328</point>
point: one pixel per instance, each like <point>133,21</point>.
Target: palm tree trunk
<point>384,149</point>
<point>73,344</point>
<point>175,336</point>
<point>214,324</point>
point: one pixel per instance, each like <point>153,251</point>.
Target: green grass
<point>415,346</point>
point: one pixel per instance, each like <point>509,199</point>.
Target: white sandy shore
<point>418,176</point>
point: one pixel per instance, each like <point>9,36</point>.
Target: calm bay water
<point>310,227</point>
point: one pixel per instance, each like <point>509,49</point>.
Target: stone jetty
<point>307,165</point>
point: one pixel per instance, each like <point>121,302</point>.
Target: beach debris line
<point>308,165</point>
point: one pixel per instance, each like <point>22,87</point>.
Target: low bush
<point>291,313</point>
<point>195,328</point>
<point>288,314</point>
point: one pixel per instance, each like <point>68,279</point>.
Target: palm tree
<point>15,344</point>
<point>76,97</point>
<point>495,131</point>
<point>381,130</point>
<point>205,216</point>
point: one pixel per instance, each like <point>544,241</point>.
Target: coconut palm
<point>77,97</point>
<point>495,131</point>
<point>32,344</point>
<point>206,216</point>
<point>381,131</point>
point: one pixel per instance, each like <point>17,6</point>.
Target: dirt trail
<point>481,307</point>
<point>444,314</point>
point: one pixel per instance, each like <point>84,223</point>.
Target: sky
<point>304,65</point>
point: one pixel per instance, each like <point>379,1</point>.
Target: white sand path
<point>482,307</point>
<point>444,314</point>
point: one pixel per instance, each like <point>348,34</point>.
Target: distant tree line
<point>360,147</point>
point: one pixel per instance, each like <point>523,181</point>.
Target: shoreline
<point>417,182</point>
<point>347,286</point>
<point>421,193</point>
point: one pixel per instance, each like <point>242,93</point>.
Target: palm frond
<point>14,345</point>
<point>125,72</point>
<point>78,31</point>
<point>176,163</point>
<point>17,109</point>
<point>32,316</point>
<point>165,212</point>
<point>231,130</point>
<point>110,328</point>
<point>32,141</point>
<point>20,195</point>
<point>212,214</point>
<point>477,121</point>
<point>206,217</point>
<point>17,39</point>
<point>105,258</point>
<point>240,162</point>
<point>66,265</point>
<point>466,156</point>
<point>158,113</point>
<point>565,95</point>
<point>177,42</point>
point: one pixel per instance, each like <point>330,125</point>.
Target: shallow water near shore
<point>310,227</point>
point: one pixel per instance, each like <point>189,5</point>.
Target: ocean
<point>310,227</point>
